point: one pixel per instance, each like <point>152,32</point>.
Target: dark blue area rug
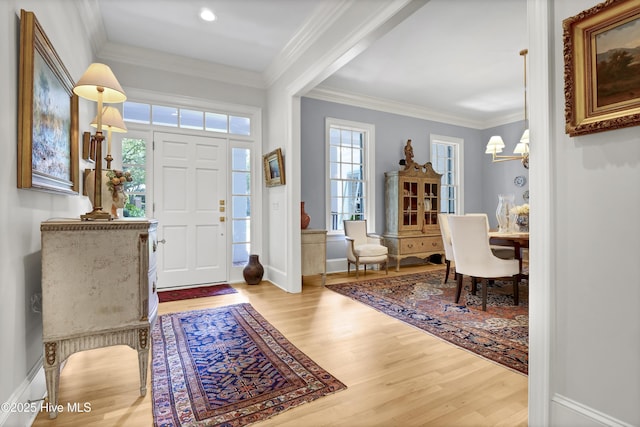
<point>228,366</point>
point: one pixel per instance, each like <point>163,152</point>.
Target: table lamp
<point>99,84</point>
<point>112,119</point>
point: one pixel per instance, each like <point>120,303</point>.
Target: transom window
<point>350,146</point>
<point>186,118</point>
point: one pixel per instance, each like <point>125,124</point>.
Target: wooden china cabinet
<point>412,203</point>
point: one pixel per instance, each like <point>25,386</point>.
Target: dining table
<point>515,239</point>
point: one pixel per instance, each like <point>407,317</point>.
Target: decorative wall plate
<point>520,181</point>
<point>525,196</point>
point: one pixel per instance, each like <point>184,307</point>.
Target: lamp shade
<point>99,76</point>
<point>112,119</point>
<point>525,136</point>
<point>495,145</point>
<point>521,148</point>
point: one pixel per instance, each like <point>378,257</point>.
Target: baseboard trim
<point>336,265</point>
<point>568,412</point>
<point>32,389</point>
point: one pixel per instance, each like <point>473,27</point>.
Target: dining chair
<point>363,248</point>
<point>443,221</point>
<point>473,256</point>
<point>504,252</point>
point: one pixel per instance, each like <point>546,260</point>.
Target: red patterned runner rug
<point>229,367</point>
<point>199,292</point>
<point>500,334</point>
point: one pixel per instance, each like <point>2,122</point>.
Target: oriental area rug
<point>200,292</point>
<point>228,367</point>
<point>500,334</point>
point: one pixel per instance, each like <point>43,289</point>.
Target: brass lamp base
<point>96,213</point>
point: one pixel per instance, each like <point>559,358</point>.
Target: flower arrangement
<point>116,180</point>
<point>521,210</point>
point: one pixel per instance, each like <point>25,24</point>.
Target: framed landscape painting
<point>47,115</point>
<point>274,168</point>
<point>602,68</point>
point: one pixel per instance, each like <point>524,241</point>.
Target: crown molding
<point>308,33</point>
<point>91,19</point>
<point>187,66</point>
<point>403,109</point>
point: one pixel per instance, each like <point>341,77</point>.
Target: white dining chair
<point>473,256</point>
<point>443,221</point>
<point>504,252</point>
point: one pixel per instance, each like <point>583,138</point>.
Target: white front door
<point>189,188</point>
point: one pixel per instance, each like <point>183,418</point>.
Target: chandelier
<point>496,144</point>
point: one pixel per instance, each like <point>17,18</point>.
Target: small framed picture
<point>601,68</point>
<point>274,168</point>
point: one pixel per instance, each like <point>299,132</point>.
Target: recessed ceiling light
<point>207,15</point>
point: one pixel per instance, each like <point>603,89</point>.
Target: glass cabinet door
<point>431,203</point>
<point>410,205</point>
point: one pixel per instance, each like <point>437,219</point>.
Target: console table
<point>314,253</point>
<point>98,290</point>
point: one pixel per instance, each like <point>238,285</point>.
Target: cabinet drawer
<point>416,245</point>
<point>153,248</point>
<point>310,236</point>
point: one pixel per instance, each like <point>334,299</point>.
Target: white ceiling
<point>451,58</point>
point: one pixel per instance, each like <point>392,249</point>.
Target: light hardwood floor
<point>396,374</point>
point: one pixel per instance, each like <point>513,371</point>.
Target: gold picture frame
<point>601,68</point>
<point>47,115</point>
<point>88,147</point>
<point>274,168</point>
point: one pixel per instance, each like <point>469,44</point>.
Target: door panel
<point>189,183</point>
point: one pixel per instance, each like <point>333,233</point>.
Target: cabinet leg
<point>52,378</point>
<point>143,357</point>
<point>143,365</point>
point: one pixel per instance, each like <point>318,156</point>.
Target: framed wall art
<point>602,68</point>
<point>274,168</point>
<point>47,115</point>
<point>88,147</point>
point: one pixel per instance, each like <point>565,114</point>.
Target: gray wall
<point>24,209</point>
<point>498,178</point>
<point>484,180</point>
<point>595,202</point>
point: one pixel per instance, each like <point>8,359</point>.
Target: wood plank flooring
<point>396,374</point>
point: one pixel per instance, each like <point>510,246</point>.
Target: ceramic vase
<point>523,223</point>
<point>253,271</point>
<point>305,218</point>
<point>503,213</point>
<point>111,202</point>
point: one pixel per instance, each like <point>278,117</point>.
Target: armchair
<point>363,248</point>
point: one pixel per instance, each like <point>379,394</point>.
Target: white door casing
<point>190,187</point>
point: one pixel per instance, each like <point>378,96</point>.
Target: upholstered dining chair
<point>363,248</point>
<point>443,221</point>
<point>473,256</point>
<point>504,252</point>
